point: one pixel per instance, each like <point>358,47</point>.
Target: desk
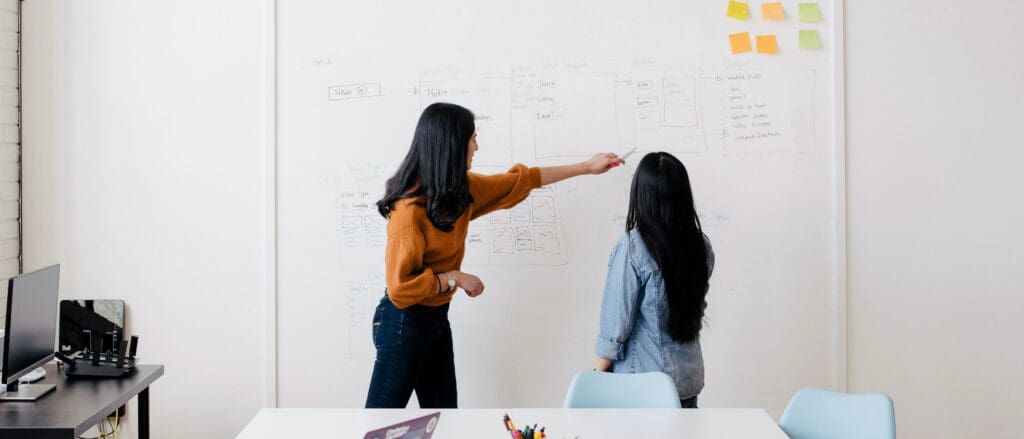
<point>486,423</point>
<point>77,404</point>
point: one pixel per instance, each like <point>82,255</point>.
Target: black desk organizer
<point>80,366</point>
<point>97,364</point>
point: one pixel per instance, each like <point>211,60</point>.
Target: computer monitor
<point>31,331</point>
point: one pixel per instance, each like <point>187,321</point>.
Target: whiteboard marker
<point>624,157</point>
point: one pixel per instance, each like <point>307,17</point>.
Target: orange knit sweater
<point>416,250</point>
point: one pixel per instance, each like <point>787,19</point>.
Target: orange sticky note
<point>767,44</point>
<point>772,11</point>
<point>740,42</point>
<point>738,10</point>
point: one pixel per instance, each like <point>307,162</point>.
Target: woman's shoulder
<point>630,238</point>
<point>633,245</point>
<point>407,206</point>
<point>407,212</point>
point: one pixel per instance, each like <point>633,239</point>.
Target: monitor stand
<point>26,392</point>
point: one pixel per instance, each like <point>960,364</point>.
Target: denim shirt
<point>634,319</point>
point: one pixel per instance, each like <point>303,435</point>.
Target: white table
<point>486,423</point>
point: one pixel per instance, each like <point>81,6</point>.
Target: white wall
<point>10,146</point>
<point>146,178</point>
<point>164,207</point>
<point>935,102</point>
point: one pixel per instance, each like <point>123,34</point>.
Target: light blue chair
<point>820,414</point>
<point>599,390</point>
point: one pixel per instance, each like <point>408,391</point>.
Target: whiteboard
<point>553,82</point>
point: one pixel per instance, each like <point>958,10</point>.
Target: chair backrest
<point>819,414</point>
<point>621,390</point>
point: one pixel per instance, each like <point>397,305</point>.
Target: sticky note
<point>809,12</point>
<point>772,11</point>
<point>740,42</point>
<point>809,39</point>
<point>738,10</point>
<point>767,44</point>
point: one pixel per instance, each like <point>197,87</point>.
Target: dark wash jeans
<point>414,352</point>
<point>688,403</point>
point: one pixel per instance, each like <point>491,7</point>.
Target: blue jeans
<point>414,352</point>
<point>688,403</point>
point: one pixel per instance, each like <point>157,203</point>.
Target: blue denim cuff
<point>610,349</point>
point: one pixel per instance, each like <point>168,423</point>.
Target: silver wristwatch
<point>451,280</point>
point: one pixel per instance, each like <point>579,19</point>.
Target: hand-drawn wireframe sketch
<point>504,240</point>
<point>362,232</point>
<point>353,91</point>
<point>547,239</point>
<point>667,110</point>
<point>544,209</point>
<point>577,113</point>
<point>533,238</point>
<point>522,213</point>
<point>524,239</point>
<point>573,114</point>
<point>360,300</point>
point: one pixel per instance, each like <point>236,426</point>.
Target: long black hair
<point>435,167</point>
<point>661,209</point>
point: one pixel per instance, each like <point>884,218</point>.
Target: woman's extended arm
<point>502,191</point>
<point>598,164</point>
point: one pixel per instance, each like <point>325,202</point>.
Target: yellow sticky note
<point>738,10</point>
<point>740,42</point>
<point>809,12</point>
<point>772,11</point>
<point>767,44</point>
<point>809,39</point>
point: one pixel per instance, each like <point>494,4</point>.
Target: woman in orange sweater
<point>429,203</point>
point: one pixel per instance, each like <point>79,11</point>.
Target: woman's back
<point>635,321</point>
<point>654,298</point>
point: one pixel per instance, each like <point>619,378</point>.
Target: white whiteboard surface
<point>553,82</point>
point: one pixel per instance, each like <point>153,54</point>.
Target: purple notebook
<point>419,428</point>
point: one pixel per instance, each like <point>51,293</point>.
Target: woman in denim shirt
<point>653,305</point>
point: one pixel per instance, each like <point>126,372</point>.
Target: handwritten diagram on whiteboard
<point>767,111</point>
<point>537,115</point>
<point>667,114</point>
<point>362,232</point>
<point>540,115</point>
<point>528,234</point>
<point>572,114</point>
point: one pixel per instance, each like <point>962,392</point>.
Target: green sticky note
<point>809,39</point>
<point>809,12</point>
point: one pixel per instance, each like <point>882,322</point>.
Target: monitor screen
<point>31,322</point>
